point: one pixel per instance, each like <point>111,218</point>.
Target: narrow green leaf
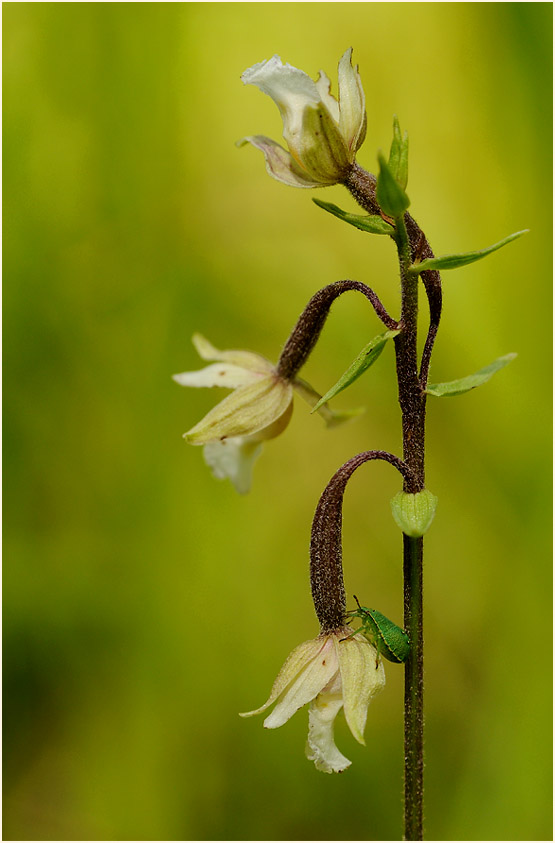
<point>403,169</point>
<point>372,224</point>
<point>399,155</point>
<point>389,193</point>
<point>363,361</point>
<point>395,151</point>
<point>454,261</point>
<point>451,388</point>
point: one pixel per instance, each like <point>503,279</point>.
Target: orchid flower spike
<point>323,134</point>
<point>330,672</point>
<point>259,408</point>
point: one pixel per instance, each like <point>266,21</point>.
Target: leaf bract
<point>458,387</point>
<point>363,361</point>
<point>454,261</point>
<point>370,223</point>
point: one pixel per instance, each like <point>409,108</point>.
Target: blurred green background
<point>145,603</point>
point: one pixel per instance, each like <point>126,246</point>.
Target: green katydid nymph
<point>390,640</point>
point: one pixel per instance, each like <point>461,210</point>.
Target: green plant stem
<point>414,689</point>
<point>412,399</point>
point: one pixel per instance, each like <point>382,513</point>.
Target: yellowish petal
<point>247,359</point>
<point>275,428</point>
<point>295,662</point>
<point>352,114</point>
<point>324,89</point>
<point>247,410</point>
<point>279,163</point>
<point>310,681</point>
<point>331,417</point>
<point>320,146</point>
<point>362,679</point>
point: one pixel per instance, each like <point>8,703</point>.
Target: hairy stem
<point>411,243</point>
<point>326,568</point>
<point>305,334</point>
<point>414,690</point>
<point>362,186</point>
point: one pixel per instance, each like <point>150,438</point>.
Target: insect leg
<point>354,632</point>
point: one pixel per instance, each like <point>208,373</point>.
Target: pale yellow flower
<point>259,408</point>
<point>322,133</point>
<point>330,672</point>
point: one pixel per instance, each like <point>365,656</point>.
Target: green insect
<point>389,640</point>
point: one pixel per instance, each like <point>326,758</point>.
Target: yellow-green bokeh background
<point>146,603</point>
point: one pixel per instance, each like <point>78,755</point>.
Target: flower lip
<point>333,671</point>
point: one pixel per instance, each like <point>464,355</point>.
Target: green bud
<point>414,514</point>
<point>391,196</point>
<point>399,154</point>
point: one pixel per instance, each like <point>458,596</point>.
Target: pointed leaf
<point>451,388</point>
<point>403,169</point>
<point>372,224</point>
<point>395,151</point>
<point>363,361</point>
<point>454,261</point>
<point>391,196</point>
<point>399,154</point>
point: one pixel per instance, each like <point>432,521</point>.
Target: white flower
<point>259,408</point>
<point>323,135</point>
<point>330,672</point>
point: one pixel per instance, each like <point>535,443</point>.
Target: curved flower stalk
<point>339,668</point>
<point>259,408</point>
<point>330,672</point>
<point>322,133</point>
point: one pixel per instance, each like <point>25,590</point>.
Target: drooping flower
<point>330,672</point>
<point>323,135</point>
<point>259,408</point>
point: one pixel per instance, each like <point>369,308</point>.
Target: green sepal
<point>392,198</point>
<point>454,261</point>
<point>372,224</point>
<point>399,155</point>
<point>363,361</point>
<point>414,514</point>
<point>458,387</point>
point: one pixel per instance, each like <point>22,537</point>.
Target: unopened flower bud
<point>414,514</point>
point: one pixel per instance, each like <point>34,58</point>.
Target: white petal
<point>352,113</point>
<point>320,746</point>
<point>306,686</point>
<point>246,359</point>
<point>290,88</point>
<point>218,374</point>
<point>362,676</point>
<point>233,458</point>
<point>280,164</point>
<point>324,85</point>
<point>293,665</point>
